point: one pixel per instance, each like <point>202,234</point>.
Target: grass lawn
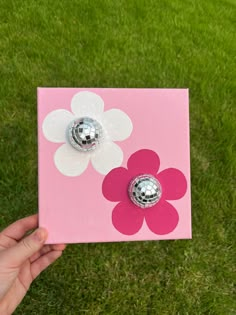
<point>127,43</point>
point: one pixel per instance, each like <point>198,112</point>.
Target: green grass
<point>127,43</point>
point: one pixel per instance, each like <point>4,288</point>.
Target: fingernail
<point>40,235</point>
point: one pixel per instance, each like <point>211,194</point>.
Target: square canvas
<point>113,164</point>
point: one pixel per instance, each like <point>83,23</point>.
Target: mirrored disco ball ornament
<point>144,191</point>
<point>84,134</point>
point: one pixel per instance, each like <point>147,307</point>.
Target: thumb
<point>28,246</point>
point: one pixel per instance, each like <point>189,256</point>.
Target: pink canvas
<point>85,199</point>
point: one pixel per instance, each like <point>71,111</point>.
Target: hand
<point>22,259</point>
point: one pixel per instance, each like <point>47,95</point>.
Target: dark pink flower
<point>128,218</point>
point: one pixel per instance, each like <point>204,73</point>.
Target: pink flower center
<point>145,191</point>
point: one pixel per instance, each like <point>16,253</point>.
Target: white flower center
<point>145,191</point>
<point>84,134</point>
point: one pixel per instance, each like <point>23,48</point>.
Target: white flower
<point>117,126</point>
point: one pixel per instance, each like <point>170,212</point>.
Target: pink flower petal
<point>162,218</point>
<point>115,184</point>
<point>127,219</point>
<point>144,161</point>
<point>173,183</point>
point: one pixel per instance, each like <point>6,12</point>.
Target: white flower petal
<point>107,157</point>
<point>69,161</point>
<point>87,104</point>
<point>55,124</point>
<point>118,124</point>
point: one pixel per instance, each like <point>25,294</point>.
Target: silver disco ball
<point>84,134</point>
<point>144,191</point>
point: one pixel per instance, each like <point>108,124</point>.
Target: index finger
<point>18,229</point>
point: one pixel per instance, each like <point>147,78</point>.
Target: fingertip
<point>59,247</point>
<point>40,235</point>
<point>62,247</point>
<point>56,254</point>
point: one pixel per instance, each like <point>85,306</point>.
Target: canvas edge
<point>39,92</point>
